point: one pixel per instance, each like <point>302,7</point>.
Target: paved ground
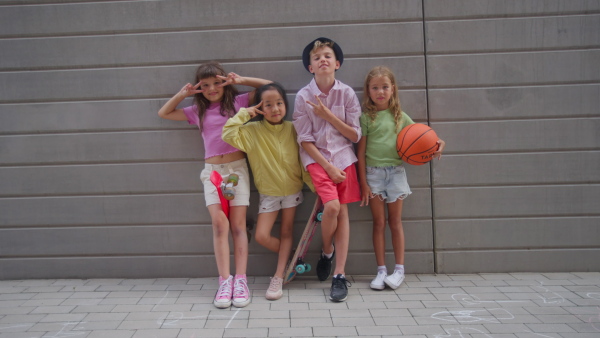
<point>474,305</point>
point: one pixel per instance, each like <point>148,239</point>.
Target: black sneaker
<point>324,266</point>
<point>339,288</point>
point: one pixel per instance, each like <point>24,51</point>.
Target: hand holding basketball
<point>418,144</point>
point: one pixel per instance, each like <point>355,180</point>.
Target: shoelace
<point>275,284</point>
<point>225,288</point>
<point>240,287</point>
<point>346,283</point>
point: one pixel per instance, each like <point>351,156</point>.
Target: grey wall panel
<point>109,267</point>
<point>513,34</point>
<point>512,86</point>
<point>85,116</point>
<point>525,201</point>
<point>127,115</point>
<point>107,210</point>
<point>101,179</point>
<point>518,233</point>
<point>190,47</point>
<point>514,102</point>
<point>136,16</point>
<point>552,260</point>
<point>505,8</point>
<point>101,240</point>
<point>505,69</point>
<point>182,145</point>
<point>572,167</point>
<point>417,236</point>
<point>521,136</point>
<point>124,83</point>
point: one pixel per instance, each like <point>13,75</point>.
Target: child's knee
<point>261,238</point>
<point>220,228</point>
<point>332,208</point>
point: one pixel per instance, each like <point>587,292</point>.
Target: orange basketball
<point>416,144</point>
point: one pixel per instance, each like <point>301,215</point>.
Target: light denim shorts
<point>273,203</point>
<point>242,190</point>
<point>389,183</point>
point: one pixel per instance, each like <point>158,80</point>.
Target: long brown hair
<point>394,106</point>
<point>212,69</point>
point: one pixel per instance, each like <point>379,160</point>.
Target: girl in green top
<point>381,173</point>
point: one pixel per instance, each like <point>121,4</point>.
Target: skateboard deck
<point>297,265</point>
<point>217,180</point>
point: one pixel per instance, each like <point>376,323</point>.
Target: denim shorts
<point>242,190</point>
<point>273,203</point>
<point>389,183</point>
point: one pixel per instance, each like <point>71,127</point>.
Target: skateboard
<point>297,265</point>
<point>226,192</point>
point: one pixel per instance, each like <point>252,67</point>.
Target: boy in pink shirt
<point>326,118</point>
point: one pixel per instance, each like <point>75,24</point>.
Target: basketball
<point>416,144</point>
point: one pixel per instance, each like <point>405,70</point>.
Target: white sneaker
<point>394,280</point>
<point>275,291</point>
<point>377,283</point>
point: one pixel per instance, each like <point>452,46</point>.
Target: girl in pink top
<point>215,101</point>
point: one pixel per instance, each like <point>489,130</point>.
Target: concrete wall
<point>94,184</point>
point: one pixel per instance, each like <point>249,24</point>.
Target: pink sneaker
<point>223,296</point>
<point>241,294</point>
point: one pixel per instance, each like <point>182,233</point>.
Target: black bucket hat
<point>339,55</point>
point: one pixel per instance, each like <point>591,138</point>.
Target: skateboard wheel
<point>300,268</point>
<point>233,178</point>
<point>308,267</point>
<point>319,216</point>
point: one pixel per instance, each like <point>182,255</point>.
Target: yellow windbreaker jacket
<point>272,151</point>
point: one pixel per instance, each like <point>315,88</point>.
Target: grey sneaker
<point>394,280</point>
<point>339,288</point>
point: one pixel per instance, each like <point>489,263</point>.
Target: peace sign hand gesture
<point>253,111</point>
<point>188,89</point>
<point>320,109</point>
<point>232,78</point>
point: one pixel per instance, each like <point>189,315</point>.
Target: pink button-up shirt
<point>334,146</point>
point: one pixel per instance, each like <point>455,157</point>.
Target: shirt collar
<point>315,89</point>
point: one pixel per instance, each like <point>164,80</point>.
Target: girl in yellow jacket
<point>270,144</point>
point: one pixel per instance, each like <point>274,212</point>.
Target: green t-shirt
<point>381,138</point>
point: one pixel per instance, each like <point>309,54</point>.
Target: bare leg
<point>264,225</point>
<point>329,224</point>
<point>395,220</point>
<point>237,217</point>
<point>378,212</point>
<point>285,248</point>
<point>342,240</point>
<point>220,225</point>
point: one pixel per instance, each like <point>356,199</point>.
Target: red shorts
<point>346,192</point>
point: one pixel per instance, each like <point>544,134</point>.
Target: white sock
<point>382,268</point>
<point>399,267</point>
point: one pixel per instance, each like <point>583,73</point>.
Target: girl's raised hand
<point>188,89</point>
<point>438,153</point>
<point>232,78</point>
<point>253,111</point>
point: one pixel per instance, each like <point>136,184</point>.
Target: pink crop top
<point>213,125</point>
